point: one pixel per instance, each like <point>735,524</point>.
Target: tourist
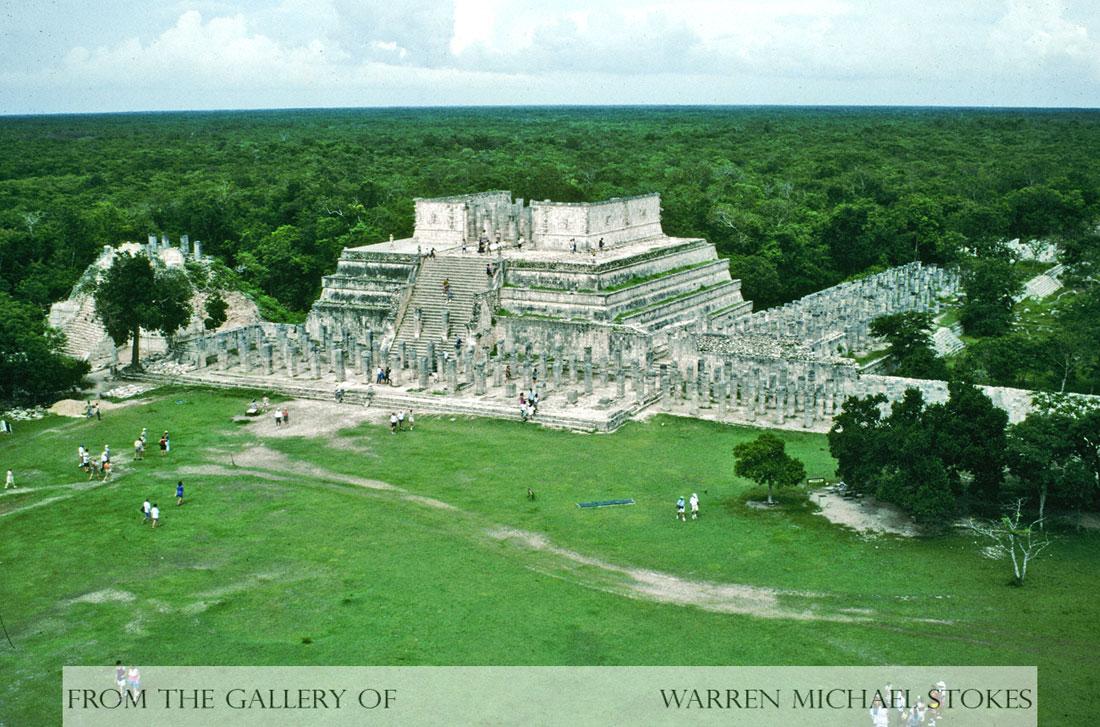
<point>601,243</point>
<point>386,375</point>
<point>393,422</point>
<point>339,395</point>
<point>81,453</point>
<point>489,270</point>
<point>9,480</point>
<point>522,399</point>
<point>139,449</point>
<point>680,509</point>
<point>530,494</point>
<point>154,513</point>
<point>144,435</point>
<point>267,404</point>
<point>106,453</point>
<point>432,254</point>
<point>179,493</point>
<point>98,417</point>
<point>412,423</point>
<point>167,443</point>
<point>507,372</point>
<point>120,678</point>
<point>286,416</point>
<point>278,417</point>
<point>146,509</point>
<point>694,502</point>
<point>458,346</point>
<point>573,242</point>
<point>133,681</point>
<point>523,412</point>
<point>379,375</point>
<point>163,444</point>
<point>106,470</point>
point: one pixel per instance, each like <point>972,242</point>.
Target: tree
<point>910,339</point>
<point>131,295</point>
<point>33,367</point>
<point>765,462</point>
<point>991,284</point>
<point>1011,537</point>
<point>215,309</point>
<point>1044,457</point>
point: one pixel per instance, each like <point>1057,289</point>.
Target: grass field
<point>356,546</point>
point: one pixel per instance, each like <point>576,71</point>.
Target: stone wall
<point>449,221</point>
<point>555,225</point>
<point>563,338</point>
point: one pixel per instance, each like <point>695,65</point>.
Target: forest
<point>797,198</point>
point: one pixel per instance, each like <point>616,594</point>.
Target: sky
<point>131,55</point>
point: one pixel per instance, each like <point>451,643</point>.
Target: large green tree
<point>764,460</point>
<point>990,282</point>
<point>910,338</point>
<point>33,367</point>
<point>133,294</point>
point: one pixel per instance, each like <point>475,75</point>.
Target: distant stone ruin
<point>591,305</point>
<point>85,337</point>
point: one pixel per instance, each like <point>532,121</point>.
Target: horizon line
<point>488,106</point>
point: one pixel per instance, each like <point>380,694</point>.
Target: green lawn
<point>290,559</point>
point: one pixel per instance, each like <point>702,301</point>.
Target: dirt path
<point>865,515</point>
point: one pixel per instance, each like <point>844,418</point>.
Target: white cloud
<point>349,52</point>
<point>1035,31</point>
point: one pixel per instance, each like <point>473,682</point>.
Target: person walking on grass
<point>164,444</point>
<point>694,502</point>
<point>179,493</point>
<point>401,419</point>
<point>154,513</point>
<point>9,480</point>
<point>680,509</point>
<point>139,449</point>
<point>393,422</point>
<point>106,470</point>
<point>146,509</point>
<point>412,423</point>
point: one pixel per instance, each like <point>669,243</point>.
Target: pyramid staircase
<point>466,275</point>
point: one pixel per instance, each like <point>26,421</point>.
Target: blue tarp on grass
<point>605,503</point>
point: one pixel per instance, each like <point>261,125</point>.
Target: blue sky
<point>128,55</point>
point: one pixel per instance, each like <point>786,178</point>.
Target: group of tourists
<point>903,714</point>
<point>150,511</point>
<point>528,404</point>
<point>400,420</point>
<point>93,465</point>
<point>693,503</point>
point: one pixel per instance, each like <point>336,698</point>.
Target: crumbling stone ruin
<point>85,337</point>
<point>591,305</point>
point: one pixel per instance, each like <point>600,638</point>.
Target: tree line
<point>797,199</point>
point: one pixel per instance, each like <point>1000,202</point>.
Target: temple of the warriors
<point>591,305</point>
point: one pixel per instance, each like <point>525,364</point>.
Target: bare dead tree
<point>1011,538</point>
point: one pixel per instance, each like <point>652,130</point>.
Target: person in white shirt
<point>9,481</point>
<point>146,507</point>
<point>694,502</point>
<point>155,514</point>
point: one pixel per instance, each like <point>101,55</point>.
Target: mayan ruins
<point>591,305</point>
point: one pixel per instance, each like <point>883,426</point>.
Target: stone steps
<point>467,278</point>
<point>385,397</point>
